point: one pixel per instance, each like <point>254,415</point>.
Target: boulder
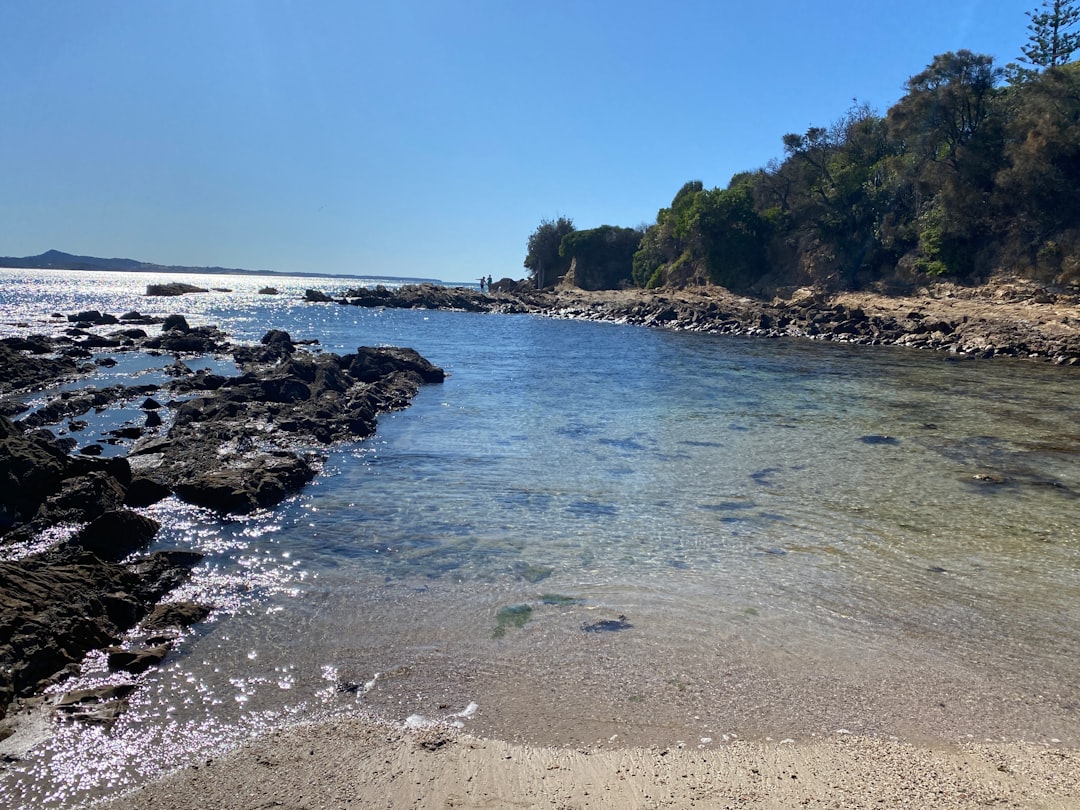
<point>256,482</point>
<point>117,533</point>
<point>144,491</point>
<point>175,323</point>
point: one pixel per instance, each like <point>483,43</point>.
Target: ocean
<point>597,534</point>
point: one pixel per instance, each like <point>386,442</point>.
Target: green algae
<point>511,616</point>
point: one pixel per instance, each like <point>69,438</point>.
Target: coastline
<point>367,763</point>
<point>364,763</point>
<point>1006,318</point>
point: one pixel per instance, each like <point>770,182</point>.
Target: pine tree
<point>1052,41</point>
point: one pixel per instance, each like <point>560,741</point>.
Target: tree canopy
<point>546,266</point>
<point>962,176</point>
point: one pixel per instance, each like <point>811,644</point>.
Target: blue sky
<point>417,137</point>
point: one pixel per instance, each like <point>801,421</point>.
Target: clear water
<point>793,531</point>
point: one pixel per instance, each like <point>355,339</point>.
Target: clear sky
<point>420,137</point>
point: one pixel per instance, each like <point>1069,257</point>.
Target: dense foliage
<point>543,261</point>
<point>963,176</point>
<point>600,258</point>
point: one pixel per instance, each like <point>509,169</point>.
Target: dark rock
<point>144,491</point>
<point>136,661</point>
<point>317,297</point>
<point>175,323</point>
<point>92,316</point>
<point>117,533</point>
<point>34,344</point>
<point>175,614</point>
<point>369,364</point>
<point>92,450</point>
<point>199,340</point>
<point>173,288</point>
<point>82,499</point>
<point>56,607</point>
<point>153,420</point>
<point>277,337</point>
<point>607,625</point>
<point>258,481</point>
<point>31,469</point>
<point>127,432</point>
<point>18,371</point>
<point>879,439</point>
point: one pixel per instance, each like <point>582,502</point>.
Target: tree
<point>945,104</point>
<point>543,261</point>
<point>602,258</point>
<point>1052,42</point>
<point>1038,190</point>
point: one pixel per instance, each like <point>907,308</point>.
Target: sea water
<point>599,534</point>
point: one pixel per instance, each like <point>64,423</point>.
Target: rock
<point>368,364</point>
<point>317,297</point>
<point>175,323</point>
<point>268,291</point>
<point>174,288</point>
<point>256,482</point>
<point>607,625</point>
<point>31,469</point>
<point>117,533</point>
<point>197,340</point>
<point>82,499</point>
<point>100,705</point>
<point>277,337</point>
<point>92,316</point>
<point>18,371</point>
<point>57,606</point>
<point>145,491</point>
<point>175,614</point>
<point>136,661</point>
<point>879,439</point>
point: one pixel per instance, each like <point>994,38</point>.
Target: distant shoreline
<point>57,260</point>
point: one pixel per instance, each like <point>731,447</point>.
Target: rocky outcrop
<point>239,443</point>
<point>288,400</point>
<point>173,288</point>
<point>426,296</point>
<point>19,371</point>
<point>82,593</point>
<point>56,607</point>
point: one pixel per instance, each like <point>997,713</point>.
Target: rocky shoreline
<point>1006,319</point>
<point>74,572</point>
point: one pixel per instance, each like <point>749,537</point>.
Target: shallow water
<point>793,533</point>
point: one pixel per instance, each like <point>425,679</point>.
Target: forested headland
<point>974,171</point>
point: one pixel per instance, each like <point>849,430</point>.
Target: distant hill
<point>58,260</point>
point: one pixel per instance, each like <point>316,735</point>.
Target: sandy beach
<point>360,764</point>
